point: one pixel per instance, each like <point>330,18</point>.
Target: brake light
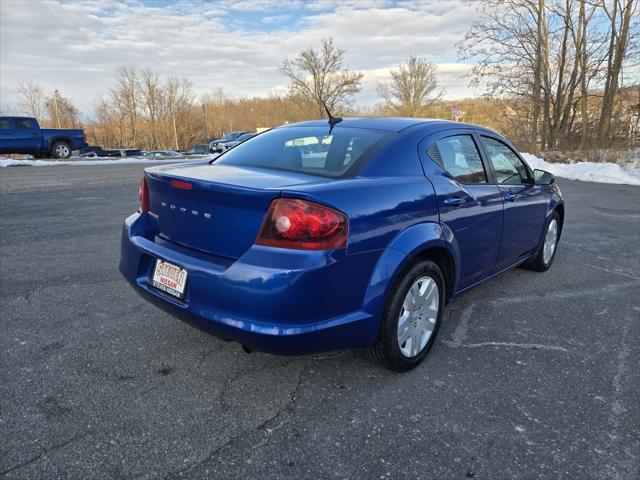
<point>84,137</point>
<point>143,194</point>
<point>303,225</point>
<point>181,184</point>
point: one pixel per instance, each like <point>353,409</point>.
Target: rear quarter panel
<point>391,218</point>
<point>378,208</point>
<point>75,137</point>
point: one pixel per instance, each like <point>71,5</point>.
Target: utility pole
<point>204,115</point>
<point>175,131</point>
<point>55,104</point>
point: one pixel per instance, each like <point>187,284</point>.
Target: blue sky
<point>77,46</point>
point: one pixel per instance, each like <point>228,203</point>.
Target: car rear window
<point>313,150</point>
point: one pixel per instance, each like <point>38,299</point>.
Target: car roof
<point>390,124</point>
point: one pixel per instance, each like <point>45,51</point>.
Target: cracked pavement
<point>533,375</point>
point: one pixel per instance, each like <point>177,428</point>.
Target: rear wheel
<point>410,320</point>
<point>61,150</point>
<point>547,251</point>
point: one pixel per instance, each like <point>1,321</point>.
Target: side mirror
<point>540,177</point>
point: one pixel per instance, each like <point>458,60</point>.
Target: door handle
<point>453,201</point>
<point>510,197</point>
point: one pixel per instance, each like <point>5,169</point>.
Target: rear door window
<point>4,123</point>
<point>23,123</point>
<point>459,156</point>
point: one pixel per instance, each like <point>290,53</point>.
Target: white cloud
<point>78,46</point>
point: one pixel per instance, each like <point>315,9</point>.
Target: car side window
<point>509,169</point>
<point>459,156</point>
<point>4,123</point>
<point>24,123</point>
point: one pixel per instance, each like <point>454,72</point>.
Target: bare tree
<point>180,111</point>
<point>320,77</point>
<point>31,99</point>
<point>152,102</point>
<point>412,88</point>
<point>619,15</point>
<point>124,97</point>
<point>549,57</point>
<point>62,110</point>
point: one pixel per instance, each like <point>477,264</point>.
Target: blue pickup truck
<point>24,135</point>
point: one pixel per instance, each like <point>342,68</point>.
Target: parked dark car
<point>289,247</point>
<point>126,152</point>
<point>242,138</point>
<point>162,154</point>
<point>112,152</point>
<point>24,135</point>
<point>216,145</point>
<point>95,151</point>
<point>202,149</point>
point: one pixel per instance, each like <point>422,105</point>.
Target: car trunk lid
<point>216,209</point>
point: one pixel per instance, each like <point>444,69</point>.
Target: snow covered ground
<point>602,172</point>
<point>10,162</point>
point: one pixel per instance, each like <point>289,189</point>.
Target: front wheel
<point>61,150</point>
<point>411,318</point>
<point>547,251</point>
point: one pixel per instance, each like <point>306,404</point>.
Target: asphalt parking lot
<point>533,375</point>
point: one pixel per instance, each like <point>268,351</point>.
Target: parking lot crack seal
<point>608,270</point>
<point>459,335</point>
<point>286,407</point>
<point>45,452</point>
<point>531,346</point>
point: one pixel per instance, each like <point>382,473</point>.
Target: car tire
<point>61,150</point>
<point>549,246</point>
<point>389,350</point>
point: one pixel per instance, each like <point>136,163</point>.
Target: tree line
<point>560,63</point>
<point>557,74</point>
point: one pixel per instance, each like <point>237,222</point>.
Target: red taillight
<point>143,194</point>
<point>303,225</point>
<point>84,137</point>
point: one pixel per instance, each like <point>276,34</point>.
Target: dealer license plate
<point>170,278</point>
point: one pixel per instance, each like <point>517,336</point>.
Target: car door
<point>469,202</point>
<point>7,140</point>
<point>525,203</point>
<point>26,135</point>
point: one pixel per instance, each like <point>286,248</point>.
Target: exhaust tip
<point>246,349</point>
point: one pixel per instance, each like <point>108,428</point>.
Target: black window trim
<point>457,133</point>
<point>515,152</point>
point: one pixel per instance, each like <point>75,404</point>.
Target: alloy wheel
<point>418,315</point>
<point>550,241</point>
<point>62,150</point>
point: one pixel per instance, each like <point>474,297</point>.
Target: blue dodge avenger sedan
<point>354,233</point>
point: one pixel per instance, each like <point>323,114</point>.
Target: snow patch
<point>605,172</point>
<point>10,162</point>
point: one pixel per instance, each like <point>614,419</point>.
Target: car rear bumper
<point>280,301</point>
